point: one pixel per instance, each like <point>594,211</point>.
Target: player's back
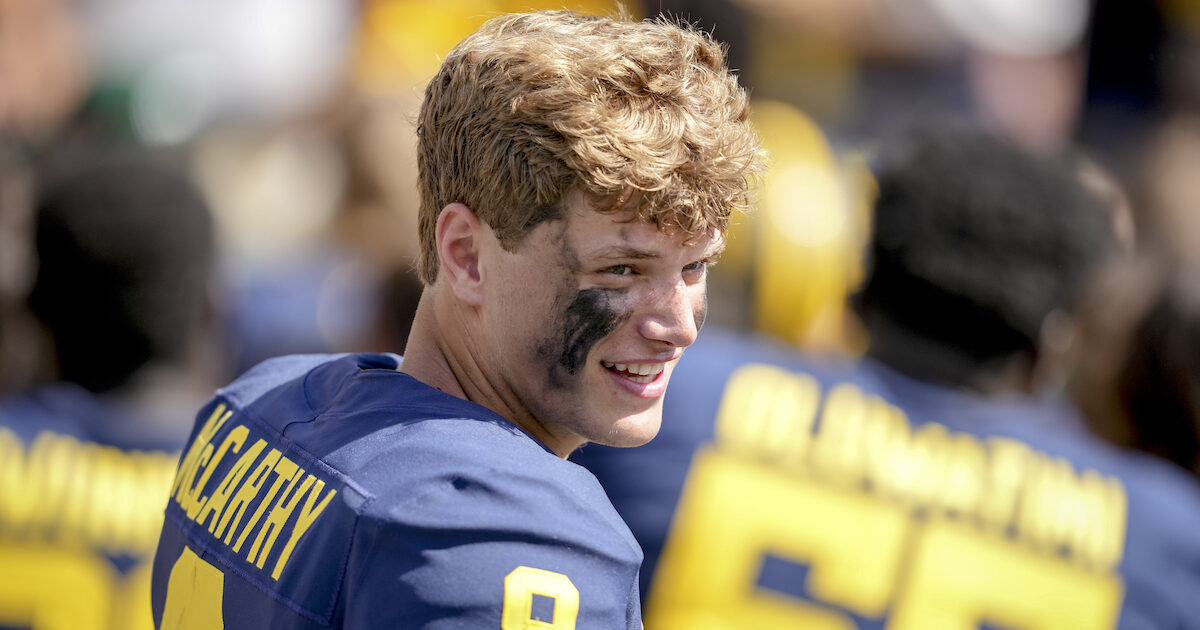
<point>322,492</point>
<point>82,481</point>
<point>781,493</point>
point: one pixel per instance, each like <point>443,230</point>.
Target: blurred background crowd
<point>264,151</point>
<point>294,122</point>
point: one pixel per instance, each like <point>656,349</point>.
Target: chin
<point>633,430</point>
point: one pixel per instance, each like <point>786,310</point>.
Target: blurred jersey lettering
<point>78,524</point>
<point>890,519</point>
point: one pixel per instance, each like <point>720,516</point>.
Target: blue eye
<point>699,265</point>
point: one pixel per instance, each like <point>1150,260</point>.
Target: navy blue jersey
<point>339,492</point>
<point>784,493</point>
<point>82,486</point>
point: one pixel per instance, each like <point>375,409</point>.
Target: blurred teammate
<point>1137,384</point>
<point>928,485</point>
<point>124,250</point>
<point>576,176</point>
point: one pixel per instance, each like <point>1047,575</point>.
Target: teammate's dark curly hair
<point>124,252</point>
<point>977,241</point>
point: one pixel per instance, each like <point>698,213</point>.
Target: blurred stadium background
<point>295,120</point>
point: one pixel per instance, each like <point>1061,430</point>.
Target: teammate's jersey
<point>82,486</point>
<point>321,492</point>
<point>785,494</point>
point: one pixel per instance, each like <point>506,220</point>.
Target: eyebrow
<point>633,253</point>
<point>625,251</point>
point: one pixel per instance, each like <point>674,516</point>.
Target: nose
<point>676,312</point>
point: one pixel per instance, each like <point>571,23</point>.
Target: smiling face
<point>586,319</point>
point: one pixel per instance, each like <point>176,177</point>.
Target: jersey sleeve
<point>474,545</point>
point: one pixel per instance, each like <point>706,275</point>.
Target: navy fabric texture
<point>435,500</point>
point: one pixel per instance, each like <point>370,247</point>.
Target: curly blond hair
<point>532,106</point>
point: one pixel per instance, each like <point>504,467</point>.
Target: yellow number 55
<point>858,549</point>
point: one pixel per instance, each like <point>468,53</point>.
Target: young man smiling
<point>577,176</point>
<point>573,334</point>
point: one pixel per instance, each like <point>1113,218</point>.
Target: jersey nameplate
<point>252,499</point>
<point>848,437</point>
<point>829,508</point>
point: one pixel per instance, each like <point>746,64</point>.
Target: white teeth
<point>646,369</point>
<point>639,372</point>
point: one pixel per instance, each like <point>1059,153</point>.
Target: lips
<point>636,372</point>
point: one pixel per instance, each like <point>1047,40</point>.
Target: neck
<point>443,352</point>
<point>426,355</point>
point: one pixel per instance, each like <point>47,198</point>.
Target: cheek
<point>700,309</point>
<point>590,316</point>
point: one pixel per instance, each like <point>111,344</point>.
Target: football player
<point>933,483</point>
<point>576,177</point>
<point>124,255</point>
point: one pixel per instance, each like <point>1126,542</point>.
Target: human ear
<point>459,236</point>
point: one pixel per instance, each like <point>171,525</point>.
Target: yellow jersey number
<point>194,593</point>
<point>195,590</point>
<point>522,584</point>
<point>864,555</point>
